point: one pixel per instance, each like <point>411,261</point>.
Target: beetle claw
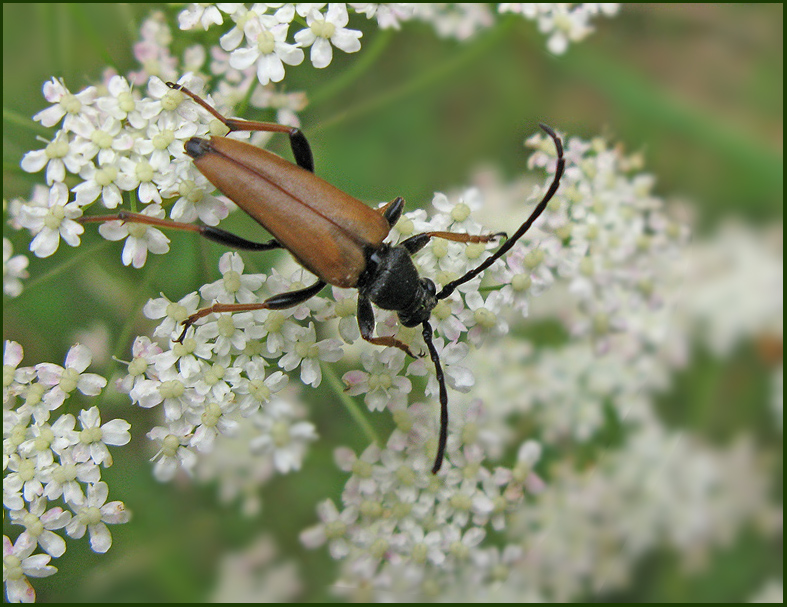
<point>186,324</point>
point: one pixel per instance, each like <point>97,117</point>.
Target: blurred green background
<point>697,88</point>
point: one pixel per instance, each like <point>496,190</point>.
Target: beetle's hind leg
<point>301,149</point>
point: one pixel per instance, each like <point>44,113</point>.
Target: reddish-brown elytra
<point>333,235</point>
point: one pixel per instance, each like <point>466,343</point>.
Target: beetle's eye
<point>428,286</point>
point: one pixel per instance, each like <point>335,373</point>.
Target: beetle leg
<point>298,142</point>
<point>277,302</point>
<point>438,461</point>
<point>215,234</point>
<point>418,242</point>
<point>393,210</point>
<point>366,325</point>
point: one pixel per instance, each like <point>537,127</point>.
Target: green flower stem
<point>128,330</point>
<point>350,404</point>
<point>15,118</point>
<point>84,253</point>
<point>641,97</point>
<point>366,59</point>
<point>94,36</point>
<point>426,79</point>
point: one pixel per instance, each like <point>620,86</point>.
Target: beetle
<point>333,235</point>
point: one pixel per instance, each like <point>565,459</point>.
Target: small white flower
<point>144,176</point>
<point>174,392</point>
<point>168,104</point>
<point>105,181</point>
<point>234,286</point>
<point>94,438</point>
<point>173,454</point>
<point>51,221</point>
<point>227,332</point>
<point>214,420</point>
<point>140,238</point>
<point>195,200</point>
<point>334,529</point>
<point>173,313</point>
<point>122,104</point>
<point>58,156</point>
<point>14,270</point>
<point>92,514</point>
<point>39,523</point>
<point>64,478</point>
<point>381,384</point>
<point>64,381</point>
<point>268,49</point>
<point>65,104</point>
<point>200,15</point>
<point>483,316</point>
<point>285,440</point>
<point>308,352</point>
<point>143,350</point>
<point>326,31</point>
<point>38,444</point>
<point>19,562</point>
<point>419,545</point>
<point>106,140</point>
<point>21,475</point>
<point>257,390</point>
<point>362,481</point>
<point>459,544</point>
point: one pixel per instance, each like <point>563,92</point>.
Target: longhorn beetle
<point>330,233</point>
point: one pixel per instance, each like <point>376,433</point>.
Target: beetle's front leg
<point>418,242</point>
<point>277,302</point>
<point>366,325</point>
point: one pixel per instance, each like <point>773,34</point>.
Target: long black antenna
<point>561,165</point>
<point>438,460</point>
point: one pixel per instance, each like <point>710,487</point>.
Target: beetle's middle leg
<point>215,234</point>
<point>281,301</point>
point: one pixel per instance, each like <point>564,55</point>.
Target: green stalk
<point>350,404</point>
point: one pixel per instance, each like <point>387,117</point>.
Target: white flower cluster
<point>49,461</point>
<point>215,381</point>
<point>611,268</point>
<point>258,36</point>
<point>400,521</point>
<point>588,528</point>
<point>565,22</point>
<point>117,141</point>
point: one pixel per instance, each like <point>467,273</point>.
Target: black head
<point>424,302</point>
